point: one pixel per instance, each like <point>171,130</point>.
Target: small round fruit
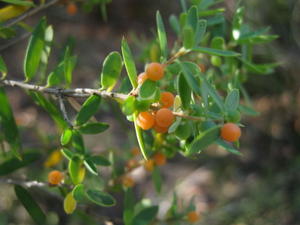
<point>216,61</point>
<point>159,159</point>
<point>155,71</point>
<point>145,120</point>
<point>166,99</point>
<point>135,151</point>
<point>127,181</point>
<point>72,9</point>
<point>234,116</point>
<point>159,129</point>
<point>193,217</point>
<point>132,163</point>
<point>142,77</point>
<point>149,165</point>
<point>164,117</point>
<point>55,177</point>
<point>230,132</point>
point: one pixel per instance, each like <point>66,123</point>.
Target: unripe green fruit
<point>216,61</point>
<point>184,130</point>
<point>234,116</point>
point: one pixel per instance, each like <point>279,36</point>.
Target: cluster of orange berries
<point>161,119</point>
<point>158,159</point>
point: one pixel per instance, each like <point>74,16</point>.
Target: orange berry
<point>132,163</point>
<point>55,177</point>
<point>166,99</point>
<point>164,117</point>
<point>149,165</point>
<point>128,181</point>
<point>145,120</point>
<point>142,78</point>
<point>159,159</point>
<point>135,151</point>
<point>202,67</point>
<point>159,129</point>
<point>230,132</point>
<point>193,217</point>
<point>155,71</point>
<point>72,9</point>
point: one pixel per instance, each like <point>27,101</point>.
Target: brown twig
<point>30,13</point>
<point>24,183</point>
<point>63,110</point>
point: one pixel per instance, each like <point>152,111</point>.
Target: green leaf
<point>34,50</point>
<point>264,69</point>
<point>140,138</point>
<point>67,153</point>
<point>237,23</point>
<point>156,178</point>
<point>78,192</point>
<point>129,63</point>
<point>200,31</point>
<point>184,91</point>
<point>75,170</point>
<point>50,107</point>
<point>174,24</point>
<point>93,128</point>
<point>77,142</point>
<point>69,65</point>
<point>192,17</point>
<point>66,136</point>
<point>8,124</point>
<point>256,37</point>
<point>204,140</point>
<point>248,110</point>
<point>30,205</point>
<point>128,106</point>
<point>209,90</point>
<point>228,147</point>
<point>89,108</point>
<point>148,90</point>
<point>188,37</point>
<point>232,100</point>
<point>162,36</point>
<point>13,164</point>
<point>211,12</point>
<point>19,2</point>
<point>100,198</point>
<point>112,67</point>
<point>190,78</point>
<point>89,164</point>
<point>216,52</point>
<point>128,212</point>
<point>99,160</point>
<point>218,43</point>
<point>3,68</point>
<point>145,216</point>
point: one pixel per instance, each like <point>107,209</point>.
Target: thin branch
<point>30,13</point>
<point>24,183</point>
<point>14,41</point>
<point>178,54</point>
<point>77,92</point>
<point>63,110</point>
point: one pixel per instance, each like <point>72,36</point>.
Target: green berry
<point>216,61</point>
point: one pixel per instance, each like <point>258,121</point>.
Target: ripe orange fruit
<point>55,177</point>
<point>230,132</point>
<point>164,117</point>
<point>159,159</point>
<point>193,217</point>
<point>132,163</point>
<point>135,151</point>
<point>142,77</point>
<point>166,99</point>
<point>155,71</point>
<point>127,181</point>
<point>159,129</point>
<point>145,120</point>
<point>149,165</point>
<point>72,9</point>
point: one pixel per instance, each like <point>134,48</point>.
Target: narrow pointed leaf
<point>145,216</point>
<point>88,109</point>
<point>232,100</point>
<point>93,128</point>
<point>100,198</point>
<point>217,52</point>
<point>162,36</point>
